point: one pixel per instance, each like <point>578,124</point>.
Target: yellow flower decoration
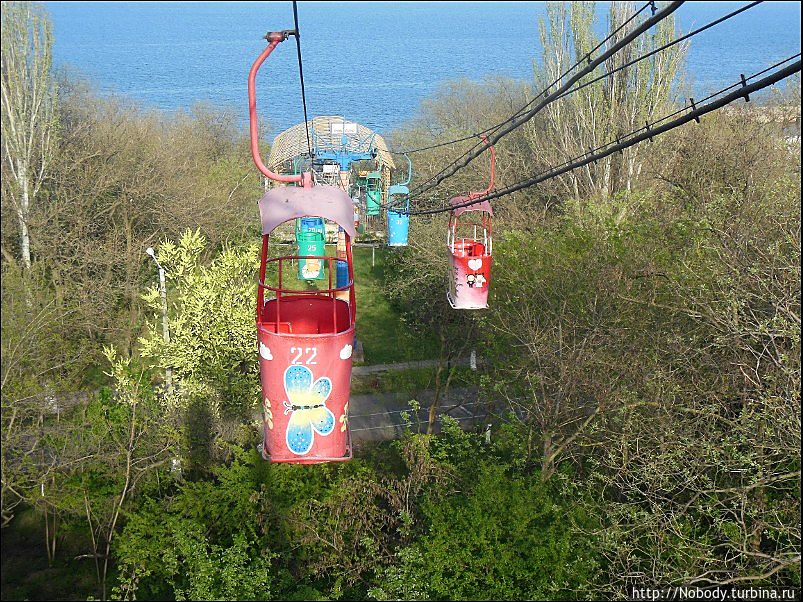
<point>268,413</point>
<point>344,419</point>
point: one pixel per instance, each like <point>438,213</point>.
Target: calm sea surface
<point>371,61</point>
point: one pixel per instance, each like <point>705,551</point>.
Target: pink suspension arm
<point>274,38</point>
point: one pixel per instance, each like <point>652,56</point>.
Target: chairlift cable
<point>592,64</point>
<point>665,46</point>
<point>647,132</point>
<point>301,76</point>
<point>523,108</point>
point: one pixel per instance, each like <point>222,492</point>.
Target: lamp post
<point>165,325</point>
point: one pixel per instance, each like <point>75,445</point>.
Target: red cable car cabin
<point>305,337</point>
<point>470,243</point>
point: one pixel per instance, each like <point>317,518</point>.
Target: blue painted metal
<point>310,224</point>
<point>399,220</point>
<point>344,154</point>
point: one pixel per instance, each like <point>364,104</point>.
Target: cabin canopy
<point>284,203</point>
<point>459,200</point>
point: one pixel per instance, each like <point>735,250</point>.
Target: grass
<point>385,337</point>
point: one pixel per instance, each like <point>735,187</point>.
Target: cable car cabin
<point>470,244</point>
<point>373,193</point>
<point>358,211</point>
<point>306,336</point>
<point>399,220</point>
<point>311,240</point>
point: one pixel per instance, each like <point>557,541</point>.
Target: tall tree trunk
<point>28,116</point>
<point>22,215</point>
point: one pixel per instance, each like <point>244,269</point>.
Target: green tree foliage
<point>212,343</point>
<point>484,540</point>
<point>117,446</point>
<point>200,543</point>
<point>212,347</point>
<point>29,122</point>
<point>39,363</point>
<point>641,361</point>
<point>660,341</point>
<point>419,516</point>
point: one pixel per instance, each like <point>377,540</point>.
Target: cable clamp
<point>744,85</point>
<point>653,7</point>
<point>280,36</point>
<point>647,127</point>
<point>694,109</point>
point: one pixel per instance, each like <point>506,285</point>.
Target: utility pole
<point>165,324</point>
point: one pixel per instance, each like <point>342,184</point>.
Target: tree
<point>123,179</point>
<point>38,363</point>
<point>206,540</point>
<point>28,111</point>
<point>606,109</point>
<point>212,345</point>
<point>107,451</point>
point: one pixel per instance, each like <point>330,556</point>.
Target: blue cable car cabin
<point>399,220</point>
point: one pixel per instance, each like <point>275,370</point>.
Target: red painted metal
<point>305,346</point>
<point>275,38</point>
<point>470,257</point>
<point>306,340</point>
<point>305,336</point>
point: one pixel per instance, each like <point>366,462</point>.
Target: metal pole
<point>165,324</point>
<point>372,255</point>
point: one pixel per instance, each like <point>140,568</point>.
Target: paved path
<point>376,368</point>
<point>378,416</point>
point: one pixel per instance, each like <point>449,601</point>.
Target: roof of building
<point>327,132</point>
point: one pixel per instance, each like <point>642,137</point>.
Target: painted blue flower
<point>307,402</point>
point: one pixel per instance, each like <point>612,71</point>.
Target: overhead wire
<point>470,157</point>
<point>301,75</point>
<point>422,187</point>
<point>666,46</point>
<point>440,176</point>
<point>518,120</point>
<point>647,132</point>
<point>650,4</point>
<point>493,128</point>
